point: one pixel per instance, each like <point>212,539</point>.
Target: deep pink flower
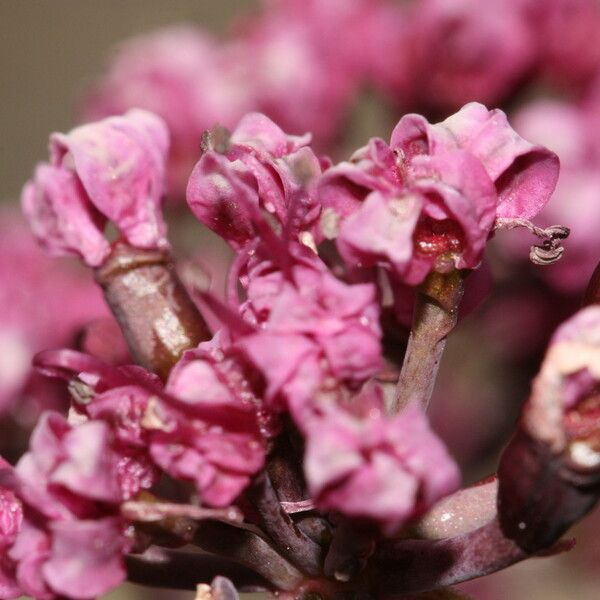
<point>112,169</point>
<point>523,173</point>
<point>11,520</point>
<point>213,436</point>
<point>429,200</point>
<point>181,74</point>
<point>461,53</point>
<point>259,166</point>
<point>205,426</point>
<point>85,558</point>
<point>68,469</point>
<point>378,469</point>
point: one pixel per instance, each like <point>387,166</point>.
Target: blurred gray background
<point>49,49</point>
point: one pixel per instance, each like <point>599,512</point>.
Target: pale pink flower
<point>113,169</point>
<point>33,290</point>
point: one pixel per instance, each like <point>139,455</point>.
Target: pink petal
<point>86,558</point>
<point>62,217</point>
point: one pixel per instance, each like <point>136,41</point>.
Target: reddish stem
<point>157,316</point>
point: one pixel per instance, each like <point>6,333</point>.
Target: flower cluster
<point>298,348</point>
<point>280,425</point>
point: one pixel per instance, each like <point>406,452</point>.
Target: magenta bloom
<point>378,469</point>
<point>429,200</point>
<point>114,170</point>
<point>204,427</point>
<point>181,74</point>
<point>262,167</point>
<point>461,53</point>
<point>11,520</point>
<point>213,437</point>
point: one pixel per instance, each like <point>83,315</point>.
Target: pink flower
<point>259,166</point>
<point>11,520</point>
<point>70,488</point>
<point>430,199</point>
<point>315,334</point>
<point>181,74</point>
<point>212,436</point>
<point>27,324</point>
<point>562,30</point>
<point>523,173</point>
<point>461,53</point>
<point>114,170</point>
<point>204,427</point>
<point>343,31</point>
<point>299,76</point>
<point>378,469</point>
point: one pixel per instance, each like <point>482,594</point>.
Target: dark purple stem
<point>409,566</point>
<point>176,569</point>
<point>285,535</point>
<point>251,550</point>
<point>349,552</point>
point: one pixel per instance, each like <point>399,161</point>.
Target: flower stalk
<point>435,316</point>
<point>157,317</point>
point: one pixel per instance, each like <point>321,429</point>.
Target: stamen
<point>550,250</point>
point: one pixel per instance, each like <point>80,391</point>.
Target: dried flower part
<point>110,170</point>
<point>550,472</point>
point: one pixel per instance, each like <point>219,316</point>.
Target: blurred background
<point>538,59</point>
<point>49,51</point>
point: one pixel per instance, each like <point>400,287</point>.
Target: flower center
<point>433,237</point>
